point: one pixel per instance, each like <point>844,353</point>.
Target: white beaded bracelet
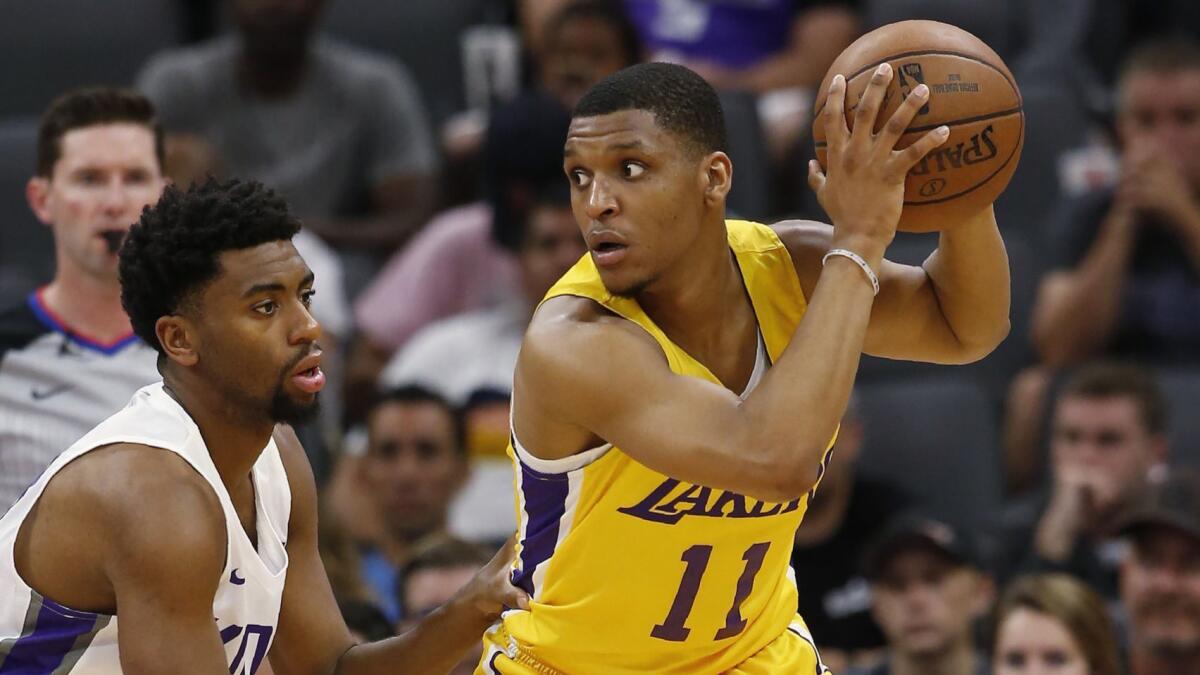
<point>858,260</point>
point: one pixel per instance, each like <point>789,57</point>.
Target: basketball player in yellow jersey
<point>678,389</point>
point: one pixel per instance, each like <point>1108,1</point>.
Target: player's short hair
<point>89,107</point>
<point>413,394</point>
<point>1161,55</point>
<point>607,11</point>
<point>1121,380</point>
<point>681,101</point>
<point>1073,605</point>
<point>172,252</point>
<point>439,553</point>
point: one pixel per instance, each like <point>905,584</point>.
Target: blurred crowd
<point>1037,509</point>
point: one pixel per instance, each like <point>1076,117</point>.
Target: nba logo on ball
<point>911,76</point>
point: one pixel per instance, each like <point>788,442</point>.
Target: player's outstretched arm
<point>583,376</point>
<point>953,309</point>
<point>313,639</point>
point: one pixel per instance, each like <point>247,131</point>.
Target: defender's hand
<point>490,591</point>
<point>862,187</point>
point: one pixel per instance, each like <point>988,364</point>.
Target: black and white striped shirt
<point>55,385</point>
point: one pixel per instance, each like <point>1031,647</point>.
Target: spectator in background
<point>1108,432</point>
<point>415,463</point>
<point>431,578</point>
<point>68,356</point>
<point>585,41</point>
<point>577,43</point>
<point>1160,579</point>
<point>339,132</point>
<point>1052,623</point>
<point>845,513</point>
<point>461,261</point>
<point>927,590</point>
<point>1127,277</point>
<point>469,358</point>
<point>772,48</point>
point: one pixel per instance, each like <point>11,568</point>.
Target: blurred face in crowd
<point>1103,443</point>
<point>1163,110</point>
<point>1032,643</point>
<point>413,466</point>
<point>1160,587</point>
<point>426,590</point>
<point>277,31</point>
<point>925,602</point>
<point>582,52</point>
<point>551,246</point>
<point>105,175</point>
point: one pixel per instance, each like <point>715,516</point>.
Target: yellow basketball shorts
<point>792,653</point>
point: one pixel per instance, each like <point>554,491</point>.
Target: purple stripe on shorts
<point>545,497</point>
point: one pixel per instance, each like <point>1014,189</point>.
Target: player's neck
<point>234,437</point>
<point>1144,662</point>
<point>958,660</point>
<point>700,293</point>
<point>88,306</point>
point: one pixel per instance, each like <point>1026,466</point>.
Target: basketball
<point>971,91</point>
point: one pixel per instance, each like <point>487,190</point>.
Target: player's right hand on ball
<point>862,186</point>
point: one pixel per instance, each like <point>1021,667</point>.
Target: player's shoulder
<point>803,235</point>
<point>134,500</point>
<point>124,477</point>
<point>569,332</point>
<point>574,317</point>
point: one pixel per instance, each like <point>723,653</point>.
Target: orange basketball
<point>970,90</point>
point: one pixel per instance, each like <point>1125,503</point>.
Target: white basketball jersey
<point>38,635</point>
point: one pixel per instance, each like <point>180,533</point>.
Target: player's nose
<point>601,201</point>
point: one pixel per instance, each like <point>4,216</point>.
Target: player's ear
<point>718,178</point>
<point>178,339</point>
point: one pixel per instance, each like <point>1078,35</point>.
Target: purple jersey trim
<point>545,497</point>
<point>53,636</point>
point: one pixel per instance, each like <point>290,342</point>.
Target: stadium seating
<point>936,438</point>
<point>49,46</point>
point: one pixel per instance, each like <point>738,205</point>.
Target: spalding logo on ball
<point>970,90</point>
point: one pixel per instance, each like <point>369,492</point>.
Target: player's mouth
<point>308,376</point>
<point>608,248</point>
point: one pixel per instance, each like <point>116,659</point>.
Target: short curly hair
<point>172,251</point>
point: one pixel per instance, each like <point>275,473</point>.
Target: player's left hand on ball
<point>862,186</point>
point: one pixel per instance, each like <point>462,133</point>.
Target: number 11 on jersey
<point>696,560</point>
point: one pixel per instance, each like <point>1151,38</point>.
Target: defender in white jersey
<point>188,519</point>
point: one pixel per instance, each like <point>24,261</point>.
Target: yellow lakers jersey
<point>633,571</point>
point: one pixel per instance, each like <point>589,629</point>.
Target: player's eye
<point>266,308</point>
<point>307,296</point>
<point>632,169</point>
<point>580,178</point>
